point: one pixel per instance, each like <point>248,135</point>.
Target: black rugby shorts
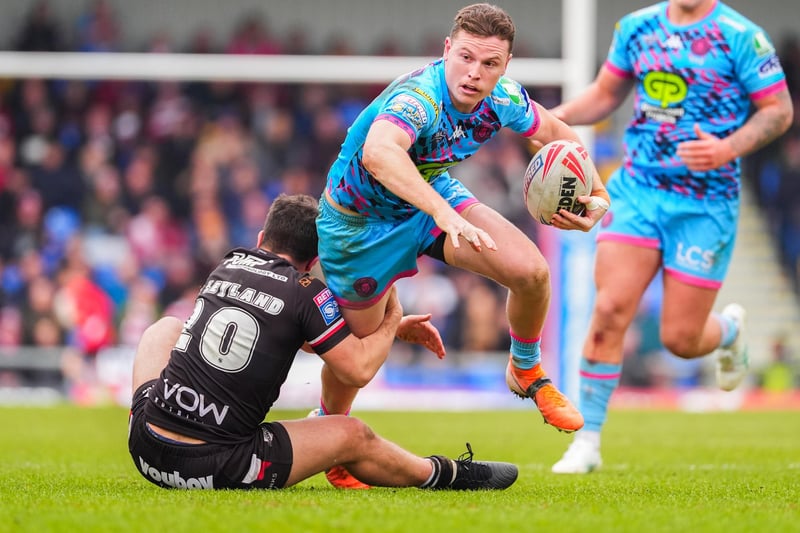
<point>263,462</point>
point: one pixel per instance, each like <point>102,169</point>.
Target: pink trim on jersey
<point>593,375</point>
<point>693,280</point>
<point>400,124</point>
<point>372,301</point>
<point>533,129</point>
<point>465,204</point>
<point>617,71</point>
<point>642,242</point>
<point>536,123</point>
<point>522,339</point>
<point>769,91</point>
<point>339,324</point>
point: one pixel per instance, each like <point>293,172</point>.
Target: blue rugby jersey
<point>419,103</point>
<point>704,73</point>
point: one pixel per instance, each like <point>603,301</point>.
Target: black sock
<point>443,473</point>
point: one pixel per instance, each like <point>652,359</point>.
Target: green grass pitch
<point>67,469</point>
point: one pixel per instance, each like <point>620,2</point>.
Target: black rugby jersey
<point>250,318</point>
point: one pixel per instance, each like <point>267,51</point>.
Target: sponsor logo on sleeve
<point>411,109</point>
<point>768,67</point>
<point>327,306</point>
<point>430,100</point>
<point>761,45</point>
<point>512,89</point>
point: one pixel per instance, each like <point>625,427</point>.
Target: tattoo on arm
<point>764,126</point>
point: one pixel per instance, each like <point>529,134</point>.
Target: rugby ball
<point>558,173</point>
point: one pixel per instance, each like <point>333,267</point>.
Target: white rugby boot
<point>582,456</point>
<point>732,361</point>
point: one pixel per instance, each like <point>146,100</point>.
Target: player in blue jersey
<point>389,199</point>
<point>698,67</point>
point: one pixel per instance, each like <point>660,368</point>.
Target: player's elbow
<point>372,157</point>
<point>379,154</point>
<point>788,118</point>
<point>784,113</point>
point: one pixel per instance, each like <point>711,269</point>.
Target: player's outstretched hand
<point>457,226</point>
<point>596,207</point>
<point>417,329</point>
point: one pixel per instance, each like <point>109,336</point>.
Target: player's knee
<point>525,276</point>
<point>610,313</point>
<point>360,434</point>
<point>682,344</point>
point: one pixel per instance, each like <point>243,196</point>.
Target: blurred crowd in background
<point>117,197</point>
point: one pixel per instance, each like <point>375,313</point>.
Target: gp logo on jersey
<point>433,170</point>
<point>327,306</point>
<point>665,87</point>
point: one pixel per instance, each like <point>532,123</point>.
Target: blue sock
<point>525,353</point>
<point>729,330</point>
<point>598,382</point>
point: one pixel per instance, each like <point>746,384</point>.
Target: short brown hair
<point>484,20</point>
<point>291,227</point>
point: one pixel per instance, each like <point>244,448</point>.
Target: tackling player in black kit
<point>202,388</point>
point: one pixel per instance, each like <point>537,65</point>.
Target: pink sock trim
<point>592,375</point>
<point>325,409</point>
<point>523,339</point>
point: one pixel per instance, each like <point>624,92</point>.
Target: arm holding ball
<point>597,202</point>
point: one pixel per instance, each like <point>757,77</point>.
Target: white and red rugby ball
<point>558,173</point>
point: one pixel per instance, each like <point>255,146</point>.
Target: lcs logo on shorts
<point>327,306</point>
<point>695,258</point>
<point>365,286</point>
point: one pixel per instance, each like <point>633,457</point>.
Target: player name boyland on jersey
<point>248,295</point>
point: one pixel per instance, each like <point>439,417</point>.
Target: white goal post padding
<point>247,68</point>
